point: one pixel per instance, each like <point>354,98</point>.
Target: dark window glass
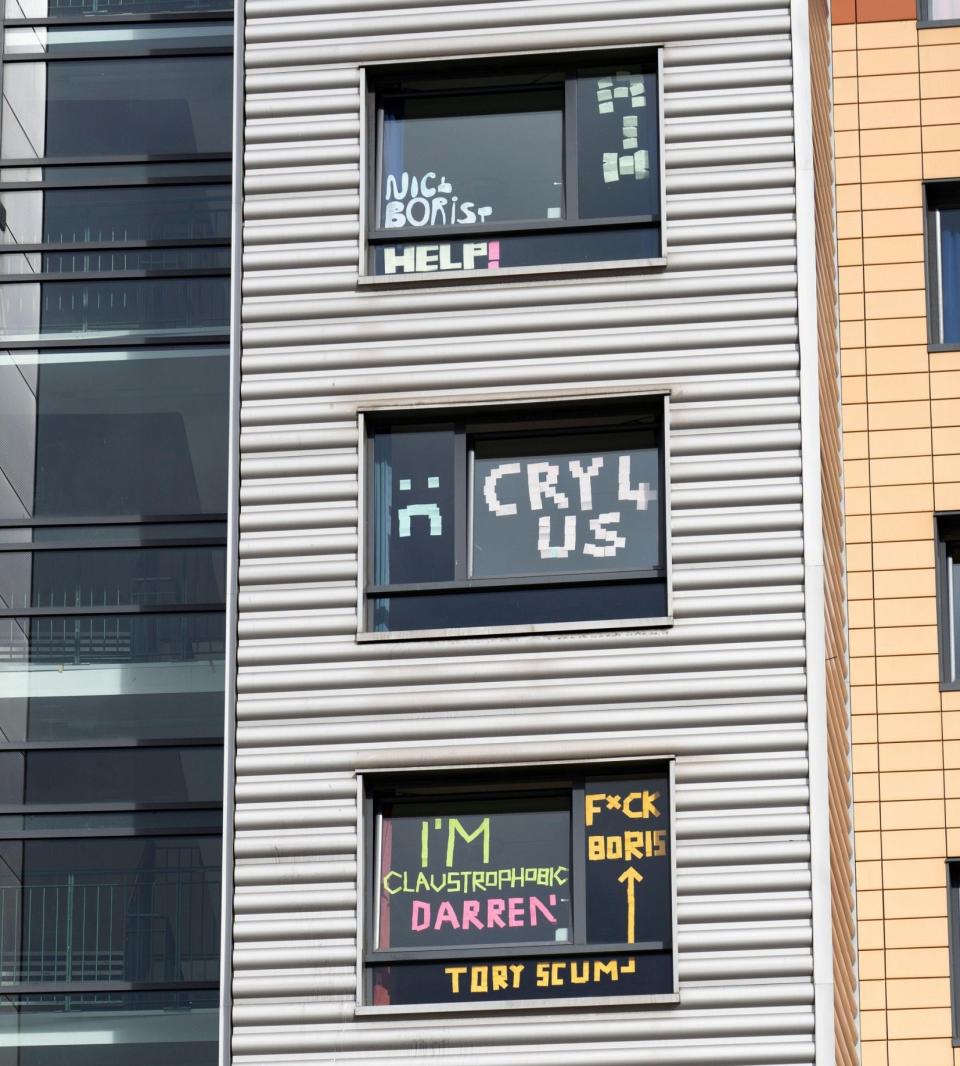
<point>498,519</point>
<point>148,106</point>
<point>117,174</point>
<point>114,309</point>
<point>113,775</point>
<point>414,500</point>
<point>949,235</point>
<point>79,431</point>
<point>426,859</point>
<point>93,677</point>
<point>578,503</point>
<point>71,9</point>
<point>948,597</point>
<point>106,40</point>
<point>121,909</point>
<point>485,156</point>
<point>58,301</point>
<point>100,823</point>
<point>617,144</point>
<point>116,213</point>
<point>120,535</point>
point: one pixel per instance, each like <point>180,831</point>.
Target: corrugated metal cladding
<point>723,689</point>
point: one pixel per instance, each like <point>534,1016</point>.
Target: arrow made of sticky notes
<point>632,878</point>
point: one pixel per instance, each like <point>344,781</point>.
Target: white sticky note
<point>610,174</point>
<point>638,101</point>
<point>606,108</point>
<point>404,485</point>
<point>637,88</point>
<point>621,90</point>
<point>604,83</point>
<point>605,94</point>
<point>641,164</point>
<point>626,164</point>
<point>553,212</point>
<point>433,482</point>
<point>631,120</point>
<point>630,142</point>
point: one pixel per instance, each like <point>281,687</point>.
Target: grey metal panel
<point>722,689</point>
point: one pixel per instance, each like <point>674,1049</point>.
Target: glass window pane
<point>492,153</point>
<point>116,213</point>
<point>467,873</point>
<point>942,10</point>
<point>118,535</point>
<point>565,504</point>
<point>104,261</point>
<point>122,909</point>
<point>523,605</point>
<point>117,174</point>
<point>71,9</point>
<point>109,1029</point>
<point>413,505</point>
<point>618,164</point>
<point>124,676</point>
<point>134,577</point>
<point>111,775</point>
<point>78,430</point>
<point>950,274</point>
<point>100,823</point>
<point>106,39</point>
<point>114,309</point>
<point>150,106</point>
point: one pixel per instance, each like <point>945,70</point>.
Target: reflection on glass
<point>102,261</point>
<point>116,213</point>
<point>71,9</point>
<point>79,432</point>
<point>457,158</point>
<point>124,909</point>
<point>144,577</point>
<point>154,306</point>
<point>117,174</point>
<point>137,675</point>
<point>949,228</point>
<point>39,40</point>
<point>942,10</point>
<point>147,106</point>
<point>112,775</point>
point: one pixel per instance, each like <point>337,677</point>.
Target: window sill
<point>664,622</point>
<point>935,24</point>
<point>944,347</point>
<point>528,273</point>
<point>555,1005</point>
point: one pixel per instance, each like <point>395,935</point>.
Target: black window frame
<point>517,419</point>
<point>953,931</point>
<point>490,784</point>
<point>946,530</point>
<point>937,195</point>
<point>378,79</point>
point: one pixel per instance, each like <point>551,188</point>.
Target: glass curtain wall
<point>115,197</point>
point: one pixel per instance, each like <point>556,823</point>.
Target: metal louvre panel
<point>723,689</point>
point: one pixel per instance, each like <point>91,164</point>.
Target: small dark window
<point>514,166</point>
<point>542,884</point>
<point>491,518</point>
<point>953,912</point>
<point>943,262</point>
<point>948,598</point>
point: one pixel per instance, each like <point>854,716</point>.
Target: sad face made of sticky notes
<point>429,511</point>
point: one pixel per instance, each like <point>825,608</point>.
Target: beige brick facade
<point>897,113</point>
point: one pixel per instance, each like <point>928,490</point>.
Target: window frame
<point>924,21</point>
<point>558,776</point>
<point>546,407</point>
<point>946,531</point>
<point>937,194</point>
<point>564,61</point>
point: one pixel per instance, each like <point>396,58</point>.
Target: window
<point>939,11</point>
<point>953,912</point>
<point>943,262</point>
<point>519,885</point>
<point>505,517</point>
<point>948,597</point>
<point>521,164</point>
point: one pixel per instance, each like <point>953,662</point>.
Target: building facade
<point>115,222</point>
<point>541,746</point>
<point>897,88</point>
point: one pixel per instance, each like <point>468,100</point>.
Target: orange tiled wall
<point>897,119</point>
